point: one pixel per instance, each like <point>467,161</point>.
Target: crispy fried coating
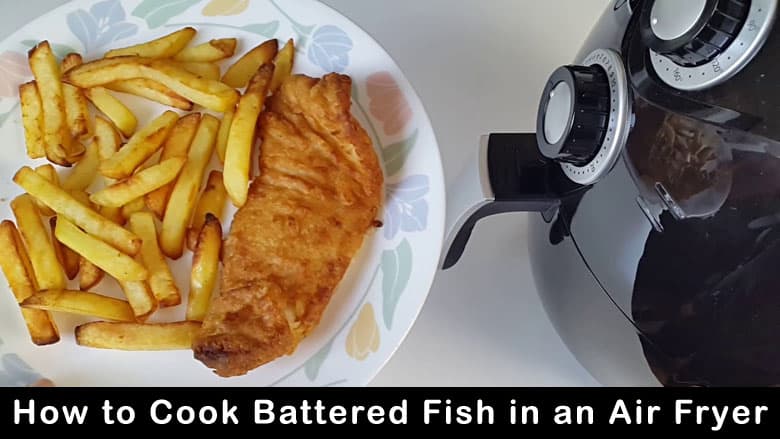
<point>317,196</point>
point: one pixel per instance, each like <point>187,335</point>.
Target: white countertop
<point>479,67</point>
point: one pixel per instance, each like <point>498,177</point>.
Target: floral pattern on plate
<point>388,103</point>
<point>14,70</point>
<point>102,24</point>
<point>225,7</point>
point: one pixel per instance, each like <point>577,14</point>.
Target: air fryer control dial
<point>696,44</point>
<point>575,114</point>
<point>583,116</point>
<point>692,32</point>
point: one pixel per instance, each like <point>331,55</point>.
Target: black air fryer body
<point>640,293</point>
<point>666,268</point>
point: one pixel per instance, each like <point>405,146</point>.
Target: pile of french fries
<point>132,200</point>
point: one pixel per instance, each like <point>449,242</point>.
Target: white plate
<point>381,296</point>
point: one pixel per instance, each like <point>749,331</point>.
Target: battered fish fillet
<point>317,196</point>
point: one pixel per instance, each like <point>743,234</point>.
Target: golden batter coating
<point>317,196</point>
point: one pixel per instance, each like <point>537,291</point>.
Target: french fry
<point>76,111</point>
<point>212,202</point>
<point>104,63</point>
<point>161,279</point>
<point>154,91</point>
<point>82,197</point>
<point>49,173</point>
<point>132,207</point>
<point>70,61</point>
<point>89,274</point>
<point>81,303</point>
<point>113,214</point>
<point>107,139</point>
<point>209,93</point>
<point>87,236</point>
<point>140,184</point>
<point>32,120</point>
<point>140,298</point>
<point>284,65</point>
<point>238,155</point>
<point>57,140</point>
<point>205,268</point>
<point>202,69</point>
<point>176,145</point>
<point>138,336</point>
<point>75,153</point>
<point>182,201</point>
<point>163,47</point>
<point>214,50</point>
<point>83,174</point>
<point>239,74</point>
<point>16,262</point>
<point>139,148</point>
<point>109,259</point>
<point>70,208</point>
<point>114,109</point>
<point>18,271</point>
<point>46,267</point>
<point>224,132</point>
<point>213,95</point>
<point>67,257</point>
<point>41,327</point>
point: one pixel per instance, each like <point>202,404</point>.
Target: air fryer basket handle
<point>508,175</point>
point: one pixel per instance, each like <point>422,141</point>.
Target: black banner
<point>694,410</point>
